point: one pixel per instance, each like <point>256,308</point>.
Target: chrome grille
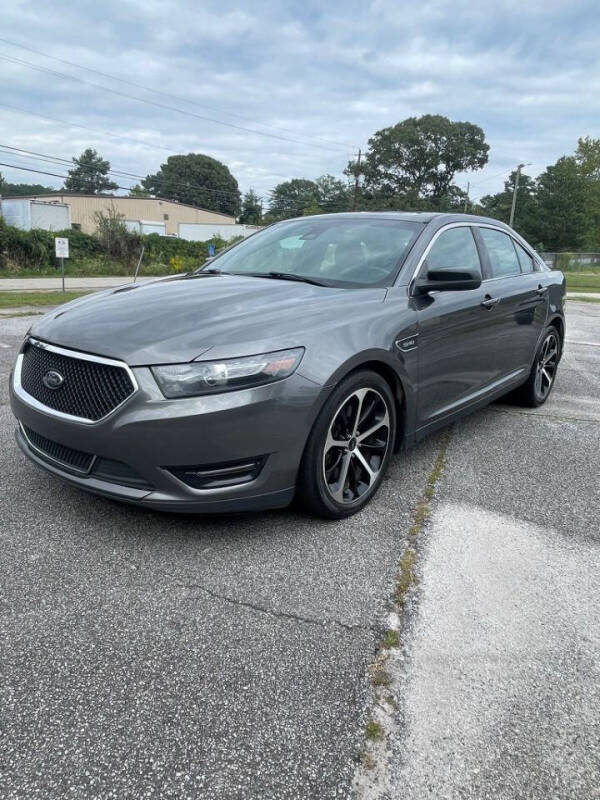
<point>90,389</point>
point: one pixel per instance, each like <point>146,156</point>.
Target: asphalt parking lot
<point>150,655</point>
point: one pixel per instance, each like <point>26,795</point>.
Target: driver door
<point>455,358</point>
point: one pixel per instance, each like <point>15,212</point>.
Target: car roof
<point>412,216</point>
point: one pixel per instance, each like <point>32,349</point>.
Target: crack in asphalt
<point>279,614</point>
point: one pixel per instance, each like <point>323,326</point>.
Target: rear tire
<point>536,389</point>
<point>349,447</point>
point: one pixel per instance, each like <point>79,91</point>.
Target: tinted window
<point>454,249</point>
<point>525,260</point>
<point>503,258</point>
<point>359,251</point>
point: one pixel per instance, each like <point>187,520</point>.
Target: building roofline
<point>115,197</point>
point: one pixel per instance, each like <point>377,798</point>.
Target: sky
<point>283,89</point>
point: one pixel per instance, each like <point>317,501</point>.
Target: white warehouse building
<point>26,214</point>
<point>64,210</point>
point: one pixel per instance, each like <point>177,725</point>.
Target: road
<point>150,655</point>
<point>498,683</point>
<point>71,283</point>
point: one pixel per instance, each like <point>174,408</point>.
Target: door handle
<point>541,290</point>
<point>489,301</point>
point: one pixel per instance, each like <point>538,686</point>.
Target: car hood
<point>178,319</point>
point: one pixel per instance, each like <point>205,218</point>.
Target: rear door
<point>521,307</point>
<point>454,362</point>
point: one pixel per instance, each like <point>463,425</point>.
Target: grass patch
<point>100,267</point>
<point>21,314</point>
<point>582,282</point>
<point>373,731</point>
<point>391,639</point>
<point>406,574</point>
<point>16,299</point>
<point>583,299</point>
<point>407,562</point>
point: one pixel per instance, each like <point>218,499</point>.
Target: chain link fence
<point>573,262</point>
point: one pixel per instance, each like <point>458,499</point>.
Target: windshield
<point>333,251</point>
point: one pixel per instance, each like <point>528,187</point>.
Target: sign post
<point>61,248</point>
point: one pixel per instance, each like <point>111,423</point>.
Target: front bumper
<point>151,434</point>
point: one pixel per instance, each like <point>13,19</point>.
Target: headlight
<point>213,377</point>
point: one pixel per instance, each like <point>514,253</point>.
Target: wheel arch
<point>558,322</point>
<point>394,381</point>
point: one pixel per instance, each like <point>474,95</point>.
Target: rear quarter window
<point>502,254</point>
<point>525,260</point>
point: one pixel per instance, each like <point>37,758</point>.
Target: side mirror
<point>440,280</point>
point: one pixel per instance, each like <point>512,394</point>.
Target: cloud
<point>327,75</point>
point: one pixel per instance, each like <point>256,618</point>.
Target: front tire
<point>536,389</point>
<point>349,447</point>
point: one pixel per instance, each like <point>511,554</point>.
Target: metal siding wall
<point>50,216</point>
<point>17,212</point>
<point>135,208</point>
<point>201,232</point>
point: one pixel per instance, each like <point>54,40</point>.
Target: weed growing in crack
<point>373,731</point>
<point>390,640</point>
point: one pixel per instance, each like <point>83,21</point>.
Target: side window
<point>454,249</point>
<point>525,260</point>
<point>503,257</point>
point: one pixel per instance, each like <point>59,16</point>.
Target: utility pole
<point>515,190</point>
<point>356,177</point>
<point>467,197</point>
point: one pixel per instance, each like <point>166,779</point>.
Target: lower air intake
<point>217,476</point>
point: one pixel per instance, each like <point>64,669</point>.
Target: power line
<point>162,106</point>
<point>117,173</point>
<point>106,133</point>
<point>64,177</point>
<point>126,188</point>
<point>86,128</point>
<point>158,91</point>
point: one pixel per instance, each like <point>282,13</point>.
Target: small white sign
<point>61,247</point>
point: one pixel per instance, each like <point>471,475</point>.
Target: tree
<point>138,191</point>
<point>561,201</point>
<point>414,162</point>
<point>198,180</point>
<point>332,194</point>
<point>587,157</point>
<point>499,205</point>
<point>89,174</point>
<point>301,196</point>
<point>290,198</point>
<point>251,209</point>
<point>22,189</point>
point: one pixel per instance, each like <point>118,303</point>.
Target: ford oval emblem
<point>53,379</point>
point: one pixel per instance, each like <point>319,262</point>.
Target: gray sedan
<point>294,363</point>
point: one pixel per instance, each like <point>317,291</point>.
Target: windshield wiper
<point>285,276</point>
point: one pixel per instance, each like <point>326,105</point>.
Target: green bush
<point>26,248</point>
<point>164,248</point>
<point>112,245</point>
<point>114,238</point>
